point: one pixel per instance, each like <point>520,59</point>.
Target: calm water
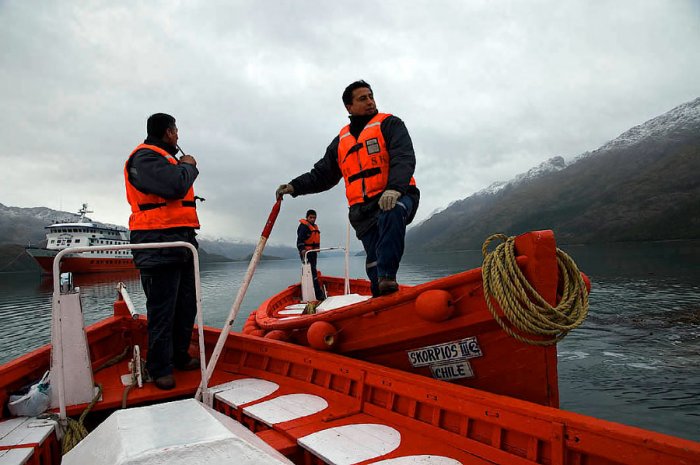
<point>635,360</point>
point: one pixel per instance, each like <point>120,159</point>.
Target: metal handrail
<point>60,381</point>
<point>346,289</point>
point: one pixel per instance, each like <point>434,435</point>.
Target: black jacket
<point>151,173</point>
<point>326,173</point>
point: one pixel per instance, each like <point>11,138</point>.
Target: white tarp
<point>183,432</point>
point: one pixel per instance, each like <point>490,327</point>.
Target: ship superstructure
<point>84,233</point>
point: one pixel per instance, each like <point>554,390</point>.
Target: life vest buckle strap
<point>189,203</point>
<point>353,149</point>
<point>364,174</point>
<point>150,206</point>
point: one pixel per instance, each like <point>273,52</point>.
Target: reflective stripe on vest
<point>150,211</point>
<point>364,162</point>
<point>314,239</point>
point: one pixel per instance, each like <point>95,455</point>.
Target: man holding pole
<point>374,155</point>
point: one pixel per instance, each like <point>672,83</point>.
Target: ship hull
<point>79,264</point>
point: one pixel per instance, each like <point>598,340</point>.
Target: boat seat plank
<point>25,430</point>
<point>243,391</point>
<point>413,447</point>
<point>339,301</point>
<point>349,444</point>
<point>419,460</point>
<point>291,311</point>
<point>286,408</point>
<point>25,436</point>
<point>16,456</point>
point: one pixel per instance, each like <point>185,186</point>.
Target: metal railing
<point>346,289</point>
<point>60,378</point>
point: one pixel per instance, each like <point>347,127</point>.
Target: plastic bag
<point>34,402</point>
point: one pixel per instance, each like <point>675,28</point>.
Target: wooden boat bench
<point>302,424</point>
<point>26,440</point>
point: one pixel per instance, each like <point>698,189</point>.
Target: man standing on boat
<point>374,155</point>
<point>159,190</point>
<point>309,238</point>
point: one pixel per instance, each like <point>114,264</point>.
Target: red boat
<point>84,233</point>
<point>443,329</point>
<point>275,402</point>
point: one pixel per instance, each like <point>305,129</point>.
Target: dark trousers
<point>384,243</point>
<point>171,302</point>
<point>312,258</point>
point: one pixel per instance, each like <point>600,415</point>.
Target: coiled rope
<point>523,307</point>
<point>75,431</point>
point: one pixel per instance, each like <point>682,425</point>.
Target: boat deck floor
<point>306,423</point>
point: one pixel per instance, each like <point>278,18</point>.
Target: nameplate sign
<point>447,352</point>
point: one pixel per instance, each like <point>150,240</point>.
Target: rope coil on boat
<point>74,430</point>
<point>522,305</point>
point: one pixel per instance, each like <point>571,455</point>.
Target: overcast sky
<point>487,89</point>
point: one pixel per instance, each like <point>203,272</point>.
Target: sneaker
<point>387,286</point>
<point>165,383</point>
<point>190,365</point>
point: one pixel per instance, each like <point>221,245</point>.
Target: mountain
<point>643,185</point>
<point>26,225</point>
<point>243,250</point>
<point>14,258</point>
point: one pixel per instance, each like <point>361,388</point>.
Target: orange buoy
<point>322,335</point>
<point>435,305</point>
<point>278,335</point>
<point>258,332</point>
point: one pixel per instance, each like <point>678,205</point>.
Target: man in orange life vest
<point>159,191</point>
<point>309,238</point>
<point>374,155</point>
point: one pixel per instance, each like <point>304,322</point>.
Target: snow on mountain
<point>680,119</point>
<point>552,165</point>
<point>47,216</point>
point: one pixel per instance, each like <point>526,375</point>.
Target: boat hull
<point>428,418</point>
<point>79,264</point>
<point>467,346</point>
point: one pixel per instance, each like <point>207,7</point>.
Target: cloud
<point>487,90</point>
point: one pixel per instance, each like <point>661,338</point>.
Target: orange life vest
<point>314,239</point>
<point>364,162</point>
<point>150,211</point>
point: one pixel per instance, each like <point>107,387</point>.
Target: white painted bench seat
<point>286,408</point>
<point>419,460</point>
<point>19,431</point>
<point>241,391</point>
<point>349,444</point>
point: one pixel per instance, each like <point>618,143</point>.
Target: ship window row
<point>69,230</point>
<point>84,230</point>
<point>114,252</point>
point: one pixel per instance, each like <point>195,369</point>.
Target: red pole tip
<point>271,219</point>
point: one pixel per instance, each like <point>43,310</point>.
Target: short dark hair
<point>311,212</point>
<point>347,93</point>
<point>158,123</point>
